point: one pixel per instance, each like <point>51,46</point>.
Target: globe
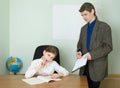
<point>14,64</point>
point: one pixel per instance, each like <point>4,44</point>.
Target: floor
<point>112,81</point>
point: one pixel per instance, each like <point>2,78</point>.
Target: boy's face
<point>87,16</point>
<point>48,56</point>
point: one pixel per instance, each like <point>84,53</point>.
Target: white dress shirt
<point>48,69</point>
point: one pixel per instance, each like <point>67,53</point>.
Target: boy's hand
<point>41,65</point>
<point>54,76</point>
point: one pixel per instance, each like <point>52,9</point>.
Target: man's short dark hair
<point>87,6</point>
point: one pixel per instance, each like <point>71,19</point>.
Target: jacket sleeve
<point>79,44</point>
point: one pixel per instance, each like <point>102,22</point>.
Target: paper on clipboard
<point>79,63</point>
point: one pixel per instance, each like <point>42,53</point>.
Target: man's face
<point>87,16</point>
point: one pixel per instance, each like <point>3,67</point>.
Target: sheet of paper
<point>79,63</point>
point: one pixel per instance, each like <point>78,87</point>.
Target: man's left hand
<point>88,56</point>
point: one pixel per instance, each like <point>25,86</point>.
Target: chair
<point>39,52</point>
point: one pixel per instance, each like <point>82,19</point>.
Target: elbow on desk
<point>27,76</point>
<point>66,74</point>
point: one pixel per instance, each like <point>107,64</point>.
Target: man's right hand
<point>78,54</point>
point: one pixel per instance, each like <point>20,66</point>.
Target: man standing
<point>96,42</point>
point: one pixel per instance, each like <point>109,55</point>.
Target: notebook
<point>39,80</point>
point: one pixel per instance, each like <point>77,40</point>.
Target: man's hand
<point>79,54</point>
<point>88,56</point>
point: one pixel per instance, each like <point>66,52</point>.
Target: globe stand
<point>15,73</point>
<point>14,68</point>
<point>12,73</point>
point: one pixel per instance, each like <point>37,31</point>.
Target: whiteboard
<point>67,22</point>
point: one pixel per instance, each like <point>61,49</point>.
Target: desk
<point>71,81</point>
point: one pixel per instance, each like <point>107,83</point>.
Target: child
<point>46,65</point>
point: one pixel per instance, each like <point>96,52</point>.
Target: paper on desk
<point>79,63</point>
<point>39,80</point>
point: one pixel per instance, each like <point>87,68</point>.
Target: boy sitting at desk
<point>46,65</point>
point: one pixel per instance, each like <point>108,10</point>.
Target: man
<point>96,42</point>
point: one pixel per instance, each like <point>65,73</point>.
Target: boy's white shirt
<point>48,69</point>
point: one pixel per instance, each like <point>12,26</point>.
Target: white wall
<point>4,34</point>
<point>112,12</point>
<point>31,25</point>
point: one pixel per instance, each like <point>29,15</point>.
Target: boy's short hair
<point>52,49</point>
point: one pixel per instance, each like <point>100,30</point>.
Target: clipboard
<point>79,63</point>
